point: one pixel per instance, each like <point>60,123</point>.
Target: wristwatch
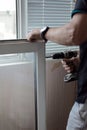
<point>43,32</point>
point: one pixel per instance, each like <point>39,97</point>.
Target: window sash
<point>22,46</point>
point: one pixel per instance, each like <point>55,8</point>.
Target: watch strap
<point>43,33</point>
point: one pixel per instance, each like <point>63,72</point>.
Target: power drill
<point>61,55</point>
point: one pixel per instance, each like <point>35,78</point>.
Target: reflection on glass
<point>8,19</point>
<point>9,59</point>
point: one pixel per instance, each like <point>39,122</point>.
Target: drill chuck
<point>67,55</point>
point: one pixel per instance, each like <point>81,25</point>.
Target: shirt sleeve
<point>80,7</point>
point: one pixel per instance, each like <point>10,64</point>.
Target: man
<point>73,33</point>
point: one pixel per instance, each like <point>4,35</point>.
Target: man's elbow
<point>76,38</point>
<point>75,41</point>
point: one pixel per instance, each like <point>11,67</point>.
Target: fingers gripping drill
<point>61,55</point>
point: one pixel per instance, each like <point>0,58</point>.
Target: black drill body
<point>66,55</point>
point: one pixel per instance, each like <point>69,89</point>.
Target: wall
<point>60,96</point>
<point>17,97</point>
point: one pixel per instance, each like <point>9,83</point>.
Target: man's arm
<point>73,33</point>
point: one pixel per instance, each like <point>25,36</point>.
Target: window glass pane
<point>17,101</point>
<point>7,19</point>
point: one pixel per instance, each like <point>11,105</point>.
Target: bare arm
<point>73,33</point>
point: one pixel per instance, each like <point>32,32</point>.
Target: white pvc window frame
<point>21,18</point>
<point>22,46</point>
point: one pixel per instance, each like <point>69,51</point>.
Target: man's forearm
<point>73,33</point>
<point>62,35</point>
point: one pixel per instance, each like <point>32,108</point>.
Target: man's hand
<point>71,65</point>
<point>34,36</point>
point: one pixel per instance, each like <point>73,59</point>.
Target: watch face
<point>43,29</point>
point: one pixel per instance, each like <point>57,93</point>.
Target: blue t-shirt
<point>81,7</point>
